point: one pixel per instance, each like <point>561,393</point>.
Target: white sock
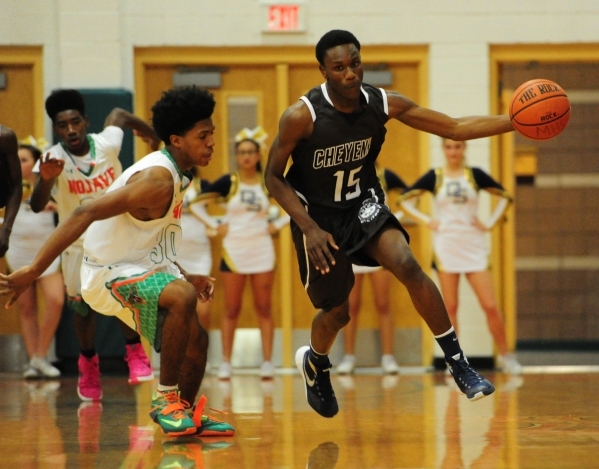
<point>163,388</point>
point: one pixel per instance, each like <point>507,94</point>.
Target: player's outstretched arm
<point>125,120</point>
<point>294,126</point>
<point>9,146</point>
<point>146,196</point>
<point>437,123</point>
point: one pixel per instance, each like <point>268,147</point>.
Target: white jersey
<point>124,239</point>
<point>85,178</point>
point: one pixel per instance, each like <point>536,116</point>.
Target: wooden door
<point>21,109</point>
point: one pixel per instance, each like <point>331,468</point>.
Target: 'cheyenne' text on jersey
<point>338,154</point>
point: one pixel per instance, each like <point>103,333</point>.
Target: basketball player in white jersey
<point>130,250</point>
<point>81,168</point>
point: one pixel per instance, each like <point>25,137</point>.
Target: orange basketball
<point>539,109</point>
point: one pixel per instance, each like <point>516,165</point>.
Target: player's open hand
<point>50,167</point>
<point>204,285</point>
<point>317,245</point>
<point>16,283</point>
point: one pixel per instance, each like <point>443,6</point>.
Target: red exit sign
<point>284,18</point>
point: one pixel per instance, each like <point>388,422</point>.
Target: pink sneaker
<point>88,386</point>
<point>139,364</point>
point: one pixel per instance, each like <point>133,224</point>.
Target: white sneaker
<point>389,365</point>
<point>31,373</point>
<point>347,365</point>
<point>224,371</point>
<point>267,370</point>
<point>45,369</point>
<point>508,363</point>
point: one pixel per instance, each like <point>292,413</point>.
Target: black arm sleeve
<point>221,186</point>
<point>425,183</point>
<point>484,181</point>
<point>204,185</point>
<point>394,182</point>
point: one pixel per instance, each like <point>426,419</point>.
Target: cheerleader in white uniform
<point>195,251</point>
<point>30,232</point>
<point>248,249</point>
<point>380,280</point>
<point>459,237</point>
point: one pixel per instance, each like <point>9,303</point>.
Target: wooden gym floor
<point>546,418</point>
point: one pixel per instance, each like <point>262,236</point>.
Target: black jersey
<point>334,168</point>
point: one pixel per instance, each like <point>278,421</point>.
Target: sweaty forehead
<point>341,53</point>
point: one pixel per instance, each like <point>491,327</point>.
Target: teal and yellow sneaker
<point>207,425</point>
<point>169,411</point>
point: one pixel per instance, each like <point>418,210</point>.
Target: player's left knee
<point>340,317</point>
<point>407,268</point>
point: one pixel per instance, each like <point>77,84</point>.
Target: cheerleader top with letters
<point>456,198</point>
<point>246,204</point>
<point>335,167</point>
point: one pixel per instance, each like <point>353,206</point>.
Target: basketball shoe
<point>139,364</point>
<point>207,425</point>
<point>88,385</point>
<point>319,391</point>
<point>169,411</point>
<point>469,381</point>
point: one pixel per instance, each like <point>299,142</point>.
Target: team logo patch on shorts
<point>368,212</point>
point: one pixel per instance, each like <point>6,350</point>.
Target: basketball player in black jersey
<point>332,193</point>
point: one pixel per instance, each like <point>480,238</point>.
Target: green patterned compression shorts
<point>140,294</point>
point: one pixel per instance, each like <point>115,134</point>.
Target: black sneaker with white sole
<point>319,391</point>
<point>469,381</point>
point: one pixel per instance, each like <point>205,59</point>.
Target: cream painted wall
<point>89,43</point>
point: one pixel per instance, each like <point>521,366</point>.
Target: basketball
<point>539,109</point>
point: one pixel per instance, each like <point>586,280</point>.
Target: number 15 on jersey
<point>349,186</point>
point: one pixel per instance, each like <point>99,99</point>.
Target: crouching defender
<point>129,268</point>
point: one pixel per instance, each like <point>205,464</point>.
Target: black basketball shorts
<point>351,229</point>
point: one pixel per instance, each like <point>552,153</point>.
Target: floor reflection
<point>404,421</point>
